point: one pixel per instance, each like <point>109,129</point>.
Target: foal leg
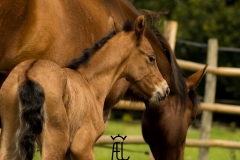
<point>54,139</point>
<point>84,140</point>
<point>54,144</point>
<point>82,146</point>
<point>10,123</point>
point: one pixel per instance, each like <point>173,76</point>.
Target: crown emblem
<point>123,138</point>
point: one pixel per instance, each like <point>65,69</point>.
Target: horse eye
<point>151,59</point>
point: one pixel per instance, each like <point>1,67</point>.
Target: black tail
<point>32,97</point>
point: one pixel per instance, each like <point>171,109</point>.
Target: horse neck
<point>106,67</point>
<point>12,12</point>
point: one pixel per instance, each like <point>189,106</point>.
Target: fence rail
<point>189,142</point>
<point>222,71</point>
<point>216,107</point>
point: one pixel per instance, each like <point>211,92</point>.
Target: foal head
<point>141,69</point>
<point>129,55</point>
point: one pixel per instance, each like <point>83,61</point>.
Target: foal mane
<point>84,58</point>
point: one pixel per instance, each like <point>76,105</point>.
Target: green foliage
<point>200,20</point>
<point>154,5</point>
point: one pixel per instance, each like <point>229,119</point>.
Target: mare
<point>61,108</point>
<point>59,30</point>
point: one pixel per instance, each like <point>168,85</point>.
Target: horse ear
<point>139,27</point>
<point>194,80</point>
<point>112,25</point>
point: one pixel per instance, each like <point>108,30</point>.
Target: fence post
<point>209,96</point>
<point>170,32</point>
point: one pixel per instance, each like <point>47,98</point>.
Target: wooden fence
<point>208,106</point>
<point>221,108</point>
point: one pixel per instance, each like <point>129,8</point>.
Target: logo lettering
<point>116,149</point>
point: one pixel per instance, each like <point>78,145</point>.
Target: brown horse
<point>61,108</point>
<point>59,30</point>
<point>169,121</point>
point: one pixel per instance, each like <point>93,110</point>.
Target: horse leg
<point>54,139</point>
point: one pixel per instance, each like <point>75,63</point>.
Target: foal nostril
<point>164,97</point>
<point>159,96</point>
<point>168,91</point>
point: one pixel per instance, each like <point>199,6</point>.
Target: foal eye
<point>151,59</point>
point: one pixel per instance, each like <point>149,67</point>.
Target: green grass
<point>37,156</point>
<point>124,129</point>
<point>191,153</point>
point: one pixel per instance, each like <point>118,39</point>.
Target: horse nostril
<point>168,91</point>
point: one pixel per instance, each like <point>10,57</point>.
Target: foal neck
<point>107,65</point>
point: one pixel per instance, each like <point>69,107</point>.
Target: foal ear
<point>139,27</point>
<point>194,80</point>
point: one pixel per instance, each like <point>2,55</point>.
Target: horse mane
<point>196,102</point>
<point>84,58</point>
<point>178,77</point>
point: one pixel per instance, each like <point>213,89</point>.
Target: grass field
<point>217,132</point>
<point>137,151</point>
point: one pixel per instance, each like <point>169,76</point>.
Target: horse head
<point>165,128</point>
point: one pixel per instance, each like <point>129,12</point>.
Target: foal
<point>62,108</point>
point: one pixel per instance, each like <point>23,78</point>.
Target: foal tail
<point>31,97</point>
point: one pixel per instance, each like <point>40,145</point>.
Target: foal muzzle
<point>161,92</point>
